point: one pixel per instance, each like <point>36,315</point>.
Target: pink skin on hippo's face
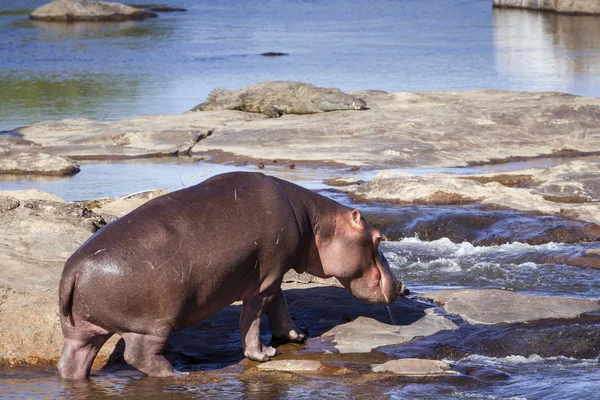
<point>353,257</point>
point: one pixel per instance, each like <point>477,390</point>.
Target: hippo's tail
<point>65,294</point>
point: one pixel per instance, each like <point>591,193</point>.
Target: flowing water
<point>169,64</point>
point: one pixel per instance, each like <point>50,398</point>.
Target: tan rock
<point>415,367</point>
<point>365,334</point>
<point>37,236</point>
<point>23,157</point>
<point>291,365</point>
<point>81,10</point>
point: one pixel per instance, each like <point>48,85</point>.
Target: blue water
<point>169,64</point>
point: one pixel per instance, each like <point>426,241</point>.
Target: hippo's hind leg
<point>78,355</point>
<point>144,352</point>
<point>252,310</point>
<point>282,326</point>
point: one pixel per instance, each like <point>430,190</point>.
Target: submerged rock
<point>167,9</point>
<point>291,365</point>
<point>274,54</point>
<point>415,367</point>
<point>82,10</point>
<point>281,97</point>
<point>23,157</point>
<point>493,306</point>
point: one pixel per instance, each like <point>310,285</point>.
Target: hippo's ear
<point>356,219</point>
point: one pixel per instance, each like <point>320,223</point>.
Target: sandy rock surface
<point>23,157</point>
<point>81,10</point>
<point>493,306</point>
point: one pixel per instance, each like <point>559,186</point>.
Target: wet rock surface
<point>493,306</point>
<point>365,334</point>
<point>415,367</point>
<point>23,157</point>
<point>290,365</point>
<point>81,10</point>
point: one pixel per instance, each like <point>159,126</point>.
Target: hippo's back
<point>162,257</point>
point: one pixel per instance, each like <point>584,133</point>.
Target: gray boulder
<point>81,10</point>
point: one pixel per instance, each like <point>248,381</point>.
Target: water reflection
<point>42,96</point>
<point>550,51</point>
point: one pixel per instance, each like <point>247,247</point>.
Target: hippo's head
<point>350,252</point>
<point>335,99</point>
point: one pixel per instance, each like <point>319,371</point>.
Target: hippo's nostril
<point>401,289</point>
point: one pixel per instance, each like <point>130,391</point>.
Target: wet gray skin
<point>182,257</point>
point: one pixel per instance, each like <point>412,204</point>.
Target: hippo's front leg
<point>252,310</point>
<point>282,326</point>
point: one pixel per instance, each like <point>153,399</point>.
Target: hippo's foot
<point>262,355</point>
<point>294,335</point>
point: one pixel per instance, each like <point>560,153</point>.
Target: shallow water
<point>119,178</point>
<point>169,64</point>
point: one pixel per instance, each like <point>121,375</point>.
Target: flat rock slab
<point>23,157</point>
<point>493,306</point>
<point>147,136</point>
<point>430,129</point>
<point>415,367</point>
<point>81,10</point>
<point>291,365</point>
<point>365,334</point>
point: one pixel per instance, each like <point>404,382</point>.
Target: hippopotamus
<point>183,256</point>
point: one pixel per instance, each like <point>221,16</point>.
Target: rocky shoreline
<point>41,231</point>
<point>347,337</point>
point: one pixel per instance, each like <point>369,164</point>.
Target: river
<point>169,64</point>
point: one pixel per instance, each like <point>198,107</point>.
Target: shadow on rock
<point>215,343</point>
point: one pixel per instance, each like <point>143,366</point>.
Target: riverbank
<point>456,233</point>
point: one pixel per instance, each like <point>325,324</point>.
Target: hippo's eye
<point>377,240</point>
